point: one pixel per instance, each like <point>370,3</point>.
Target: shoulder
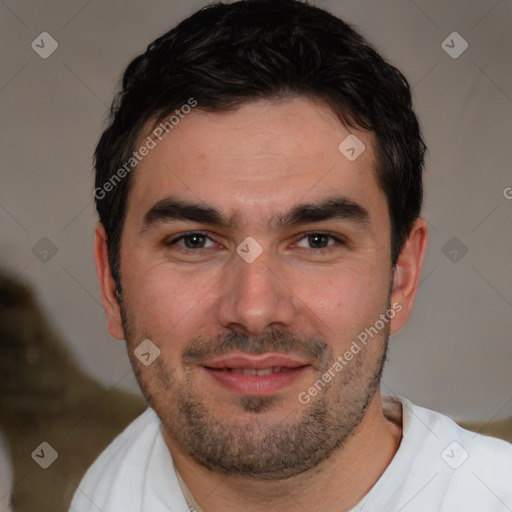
<point>119,468</point>
<point>474,469</point>
<point>476,444</point>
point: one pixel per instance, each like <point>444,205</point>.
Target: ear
<point>107,284</point>
<point>407,274</point>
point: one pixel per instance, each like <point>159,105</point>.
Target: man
<point>259,190</point>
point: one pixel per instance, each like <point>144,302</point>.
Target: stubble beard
<point>255,445</point>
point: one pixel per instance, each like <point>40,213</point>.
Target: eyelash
<point>338,239</point>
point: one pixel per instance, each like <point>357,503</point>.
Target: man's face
<point>192,286</point>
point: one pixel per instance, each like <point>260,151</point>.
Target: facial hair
<point>261,448</point>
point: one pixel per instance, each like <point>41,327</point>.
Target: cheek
<point>347,302</point>
<point>167,303</point>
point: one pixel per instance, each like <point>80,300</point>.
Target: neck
<point>337,484</point>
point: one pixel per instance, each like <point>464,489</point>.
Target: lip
<point>255,362</point>
<point>256,385</point>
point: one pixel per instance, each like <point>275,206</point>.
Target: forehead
<point>260,157</point>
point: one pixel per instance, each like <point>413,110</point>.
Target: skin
<point>252,164</point>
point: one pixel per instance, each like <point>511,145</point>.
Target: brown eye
<point>319,241</point>
<point>192,241</point>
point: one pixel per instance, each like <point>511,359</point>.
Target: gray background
<point>455,353</point>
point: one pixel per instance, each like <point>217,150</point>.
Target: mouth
<point>256,375</point>
<point>254,371</point>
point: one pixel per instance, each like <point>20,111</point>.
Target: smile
<point>254,371</point>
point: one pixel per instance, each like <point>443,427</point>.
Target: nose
<point>255,297</point>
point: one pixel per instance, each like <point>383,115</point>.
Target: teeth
<point>252,371</point>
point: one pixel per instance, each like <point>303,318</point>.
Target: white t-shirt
<point>439,467</point>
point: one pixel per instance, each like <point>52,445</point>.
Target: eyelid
<point>186,234</point>
<point>337,236</point>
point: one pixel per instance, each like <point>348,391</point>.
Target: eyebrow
<point>339,207</point>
